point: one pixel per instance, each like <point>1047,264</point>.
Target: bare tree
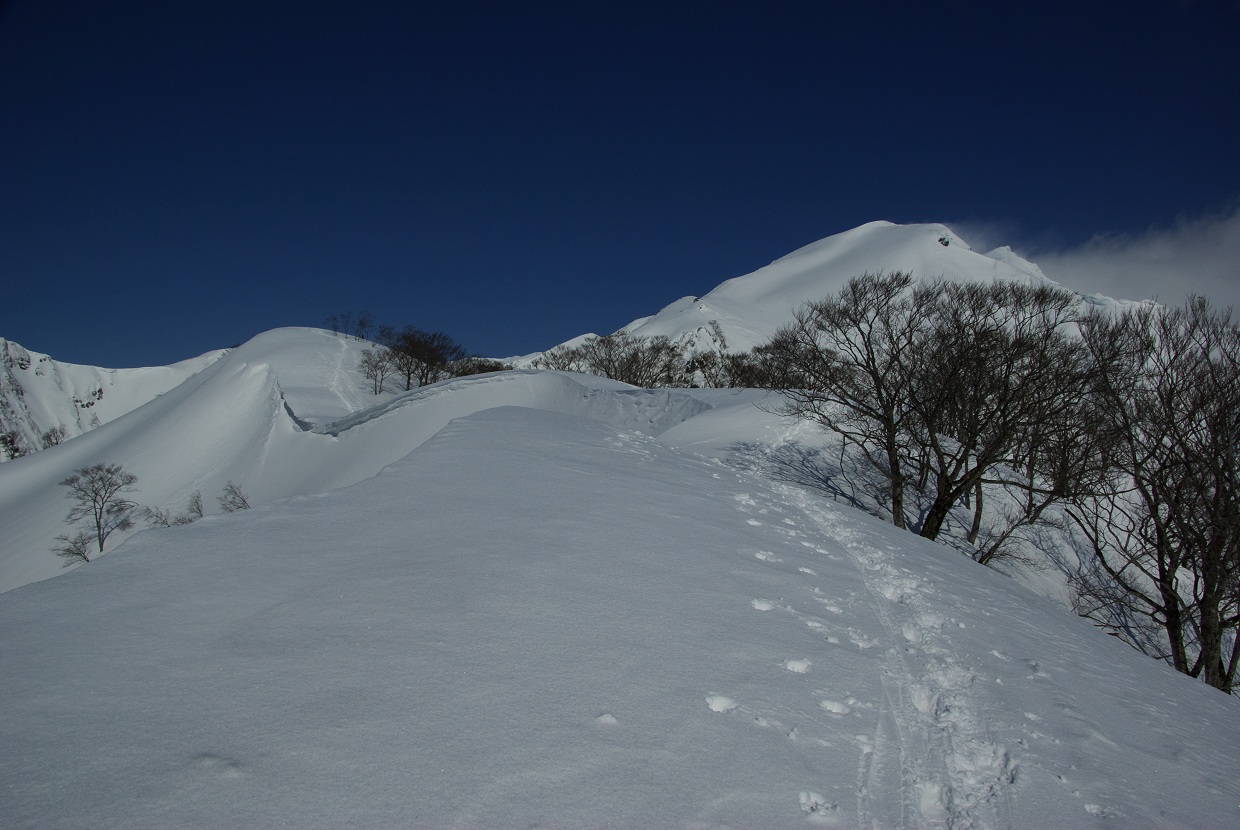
<point>233,499</point>
<point>420,357</point>
<point>848,362</point>
<point>649,362</point>
<point>710,368</point>
<point>162,517</point>
<point>194,508</point>
<point>995,367</point>
<point>101,495</point>
<point>1166,526</point>
<point>53,436</point>
<point>760,368</point>
<point>943,389</point>
<point>561,358</point>
<point>13,444</point>
<point>363,325</point>
<point>434,353</point>
<point>377,366</point>
<point>157,516</point>
<point>475,365</point>
<point>74,548</point>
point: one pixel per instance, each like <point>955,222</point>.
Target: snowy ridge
<point>644,410</point>
<point>269,417</point>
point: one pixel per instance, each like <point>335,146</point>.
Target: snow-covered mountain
<point>745,311</point>
<point>542,599</point>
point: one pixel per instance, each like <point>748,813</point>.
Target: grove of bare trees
<point>1119,429</point>
<point>641,361</point>
<point>413,356</point>
<point>1163,523</point>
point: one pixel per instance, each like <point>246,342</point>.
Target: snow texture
<point>539,619</point>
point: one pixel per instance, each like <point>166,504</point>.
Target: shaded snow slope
<point>38,393</point>
<point>746,311</point>
<point>285,414</point>
<point>540,619</point>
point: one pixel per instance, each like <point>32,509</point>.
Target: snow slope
<point>537,618</point>
<point>746,311</point>
<point>38,393</point>
<point>284,414</point>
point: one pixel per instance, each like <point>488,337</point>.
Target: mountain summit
<point>745,311</point>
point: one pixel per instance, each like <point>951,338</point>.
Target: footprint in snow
<point>861,640</point>
<point>220,766</point>
<point>835,707</point>
<point>828,605</point>
<point>818,807</point>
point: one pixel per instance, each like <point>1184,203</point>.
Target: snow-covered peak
<point>745,311</point>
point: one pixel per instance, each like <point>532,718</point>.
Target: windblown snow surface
<point>535,599</point>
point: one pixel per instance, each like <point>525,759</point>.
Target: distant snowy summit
<point>745,311</point>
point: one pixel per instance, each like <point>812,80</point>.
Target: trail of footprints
<point>926,736</point>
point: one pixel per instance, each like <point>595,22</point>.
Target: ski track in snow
<point>337,380</point>
<point>928,760</point>
<point>930,740</point>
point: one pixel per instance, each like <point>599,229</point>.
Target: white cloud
<point>1199,256</point>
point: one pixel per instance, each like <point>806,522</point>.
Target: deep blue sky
<point>178,176</point>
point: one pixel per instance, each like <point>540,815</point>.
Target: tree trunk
<point>976,529</point>
<point>897,486</point>
<point>938,512</point>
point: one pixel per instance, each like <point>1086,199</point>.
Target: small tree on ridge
<point>101,495</point>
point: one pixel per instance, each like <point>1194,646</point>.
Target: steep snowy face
<point>42,399</point>
<point>745,311</point>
